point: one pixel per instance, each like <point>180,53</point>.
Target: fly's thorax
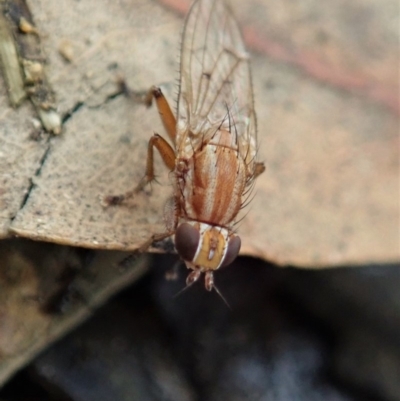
<point>205,247</point>
<point>211,182</point>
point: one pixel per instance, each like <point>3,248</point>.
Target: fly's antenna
<point>184,289</point>
<point>222,297</point>
<point>189,284</point>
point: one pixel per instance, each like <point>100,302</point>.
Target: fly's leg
<point>154,238</point>
<point>167,116</point>
<point>131,259</point>
<point>168,157</point>
<point>166,151</point>
<point>259,169</point>
<point>171,215</point>
<point>171,218</point>
<point>167,154</point>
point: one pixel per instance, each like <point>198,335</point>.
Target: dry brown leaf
<point>327,123</point>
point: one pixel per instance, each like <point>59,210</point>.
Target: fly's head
<point>205,248</point>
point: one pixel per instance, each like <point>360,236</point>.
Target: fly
<point>213,155</point>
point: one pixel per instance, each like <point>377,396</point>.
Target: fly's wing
<point>215,82</point>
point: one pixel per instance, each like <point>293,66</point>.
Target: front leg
<point>154,238</point>
<point>167,116</point>
<point>130,259</point>
<point>171,215</point>
<point>166,151</point>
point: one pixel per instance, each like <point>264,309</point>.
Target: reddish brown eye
<point>186,241</point>
<point>234,244</point>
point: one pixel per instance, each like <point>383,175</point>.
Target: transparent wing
<point>215,81</point>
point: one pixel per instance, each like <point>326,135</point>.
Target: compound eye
<point>232,252</point>
<point>187,241</point>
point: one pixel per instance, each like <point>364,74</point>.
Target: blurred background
<point>288,334</point>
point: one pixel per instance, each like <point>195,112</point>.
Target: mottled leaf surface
<point>324,76</point>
